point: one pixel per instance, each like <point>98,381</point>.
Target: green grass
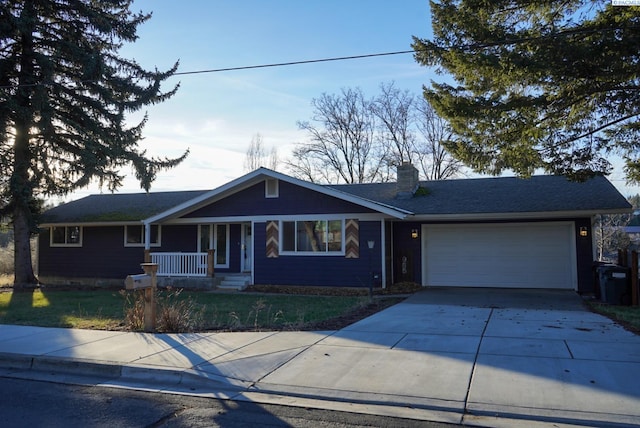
<point>628,316</point>
<point>105,309</point>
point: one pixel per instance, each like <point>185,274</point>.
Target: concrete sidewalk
<point>478,357</point>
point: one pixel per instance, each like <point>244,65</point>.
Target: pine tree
<point>552,85</point>
<point>64,95</point>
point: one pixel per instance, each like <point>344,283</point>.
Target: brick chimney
<point>408,181</point>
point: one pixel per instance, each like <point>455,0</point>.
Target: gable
<point>291,200</point>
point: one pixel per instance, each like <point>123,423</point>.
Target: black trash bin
<point>615,284</point>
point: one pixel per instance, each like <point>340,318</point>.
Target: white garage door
<point>514,255</point>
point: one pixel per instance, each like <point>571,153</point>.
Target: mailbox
<point>136,282</point>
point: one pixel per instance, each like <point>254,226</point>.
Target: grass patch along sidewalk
<point>193,310</point>
<point>627,316</point>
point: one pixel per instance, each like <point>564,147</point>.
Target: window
<point>312,236</point>
<point>215,236</point>
<point>271,188</point>
<point>66,236</point>
<point>134,236</point>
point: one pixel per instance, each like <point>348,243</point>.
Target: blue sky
<point>216,115</point>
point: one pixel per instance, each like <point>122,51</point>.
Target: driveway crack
<point>475,360</point>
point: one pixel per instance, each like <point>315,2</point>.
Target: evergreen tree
<point>64,94</point>
<point>538,84</point>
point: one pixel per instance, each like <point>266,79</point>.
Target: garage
<point>510,255</point>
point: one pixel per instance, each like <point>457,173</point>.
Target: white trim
<point>65,244</point>
<point>243,238</point>
<point>383,252</point>
<point>213,242</point>
<point>91,224</point>
<point>145,230</point>
<point>276,191</point>
<point>327,219</point>
<point>514,216</point>
<point>265,218</point>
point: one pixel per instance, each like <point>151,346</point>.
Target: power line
<point>283,64</point>
<point>246,67</point>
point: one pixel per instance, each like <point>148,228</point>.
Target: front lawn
<point>196,310</point>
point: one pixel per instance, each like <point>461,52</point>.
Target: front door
<point>247,248</point>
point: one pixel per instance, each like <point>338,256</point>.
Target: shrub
<point>173,313</point>
<point>177,315</point>
<point>133,309</point>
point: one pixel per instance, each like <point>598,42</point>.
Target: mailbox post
<point>148,283</point>
<point>150,269</point>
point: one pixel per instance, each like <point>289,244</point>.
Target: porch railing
<point>181,264</point>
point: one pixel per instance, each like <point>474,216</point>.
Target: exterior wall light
<point>414,233</point>
<point>584,232</point>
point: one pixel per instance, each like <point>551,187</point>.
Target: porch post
<point>210,262</point>
<point>383,254</point>
<point>147,243</point>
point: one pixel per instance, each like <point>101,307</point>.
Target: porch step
<point>235,282</point>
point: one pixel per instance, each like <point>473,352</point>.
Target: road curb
<point>134,376</point>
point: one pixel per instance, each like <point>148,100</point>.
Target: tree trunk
<point>19,183</point>
<point>24,277</point>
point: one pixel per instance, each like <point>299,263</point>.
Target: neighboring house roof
<point>499,197</point>
<point>116,208</point>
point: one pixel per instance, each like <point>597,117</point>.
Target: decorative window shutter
<point>352,242</point>
<point>272,239</point>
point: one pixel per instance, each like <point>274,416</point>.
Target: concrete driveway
<point>482,357</point>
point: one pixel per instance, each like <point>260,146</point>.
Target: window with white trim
<point>216,237</point>
<point>271,188</point>
<point>66,236</point>
<point>312,237</point>
<point>134,235</point>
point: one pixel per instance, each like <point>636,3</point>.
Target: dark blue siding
<point>292,200</point>
<point>318,270</point>
<point>584,257</point>
<point>103,254</point>
<point>409,269</point>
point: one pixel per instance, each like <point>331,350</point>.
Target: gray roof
<point>541,194</point>
<point>479,196</point>
<point>124,207</point>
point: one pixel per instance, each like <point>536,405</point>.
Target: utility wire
<point>283,64</point>
<point>246,67</point>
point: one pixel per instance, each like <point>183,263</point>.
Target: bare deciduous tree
<point>394,110</point>
<point>257,156</point>
<point>434,160</point>
<point>342,135</point>
<point>354,140</point>
<point>610,235</point>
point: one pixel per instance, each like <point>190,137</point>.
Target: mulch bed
<point>399,288</point>
<point>384,297</point>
